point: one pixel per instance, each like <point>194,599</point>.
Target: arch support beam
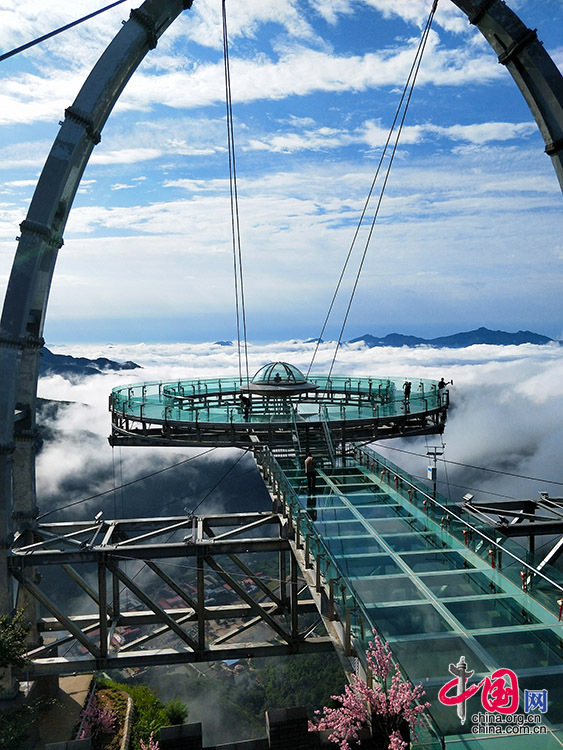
<point>533,70</point>
<point>23,316</point>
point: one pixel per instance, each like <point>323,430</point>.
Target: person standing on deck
<point>311,473</point>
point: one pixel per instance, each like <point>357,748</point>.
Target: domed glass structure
<point>279,378</point>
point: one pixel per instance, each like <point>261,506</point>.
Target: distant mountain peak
<point>480,335</point>
<point>73,367</point>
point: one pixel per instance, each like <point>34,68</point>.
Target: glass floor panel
<point>354,545</point>
<point>430,657</point>
<point>381,511</point>
<point>334,513</point>
<point>367,566</point>
<point>413,543</point>
<point>459,584</point>
<point>478,614</point>
<point>408,620</point>
<point>422,563</point>
<point>345,471</point>
<point>445,716</point>
<point>391,589</point>
<point>553,683</point>
<point>325,501</point>
<point>356,480</point>
<point>322,488</point>
<point>395,525</point>
<point>524,649</point>
<point>350,527</point>
<point>374,496</point>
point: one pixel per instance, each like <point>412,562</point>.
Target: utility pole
<point>432,470</point>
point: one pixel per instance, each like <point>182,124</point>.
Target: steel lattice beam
<point>94,557</point>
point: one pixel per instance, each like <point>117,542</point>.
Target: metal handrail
<point>452,514</point>
<point>274,470</point>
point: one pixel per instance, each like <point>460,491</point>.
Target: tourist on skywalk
<point>442,385</point>
<point>246,404</point>
<point>311,474</point>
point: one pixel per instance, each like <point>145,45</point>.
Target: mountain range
<point>456,340</point>
<point>68,366</point>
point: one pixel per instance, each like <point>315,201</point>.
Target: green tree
<point>13,632</point>
<point>150,713</point>
<point>176,711</point>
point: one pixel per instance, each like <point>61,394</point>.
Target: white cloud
<point>485,132</point>
<point>29,97</point>
<point>507,406</point>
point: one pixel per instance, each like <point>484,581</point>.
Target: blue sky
<point>470,230</point>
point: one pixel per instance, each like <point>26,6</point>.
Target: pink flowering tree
<point>153,744</point>
<point>393,705</point>
<point>96,721</point>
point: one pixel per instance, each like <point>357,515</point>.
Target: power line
<point>184,498</point>
<point>126,484</point>
<point>43,38</point>
<point>478,468</point>
<point>212,489</point>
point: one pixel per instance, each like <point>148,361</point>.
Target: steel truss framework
<point>542,516</point>
<point>131,622</point>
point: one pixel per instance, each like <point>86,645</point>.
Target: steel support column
<point>25,305</point>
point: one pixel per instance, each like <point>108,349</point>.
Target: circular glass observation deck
<point>279,379</point>
<point>279,407</point>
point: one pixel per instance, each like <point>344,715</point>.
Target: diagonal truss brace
<point>93,558</point>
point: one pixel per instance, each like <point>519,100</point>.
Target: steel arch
<point>22,321</point>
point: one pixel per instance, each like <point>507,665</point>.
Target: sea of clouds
<point>506,414</point>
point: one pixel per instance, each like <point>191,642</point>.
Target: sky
<point>470,227</point>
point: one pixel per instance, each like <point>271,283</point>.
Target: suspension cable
<point>235,218</point>
<point>412,79</point>
<point>43,38</point>
<point>406,94</point>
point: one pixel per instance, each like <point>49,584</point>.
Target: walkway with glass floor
<point>434,585</point>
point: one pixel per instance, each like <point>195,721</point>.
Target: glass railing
<point>500,552</point>
<point>217,400</point>
<point>344,604</point>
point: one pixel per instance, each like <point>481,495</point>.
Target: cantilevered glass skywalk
<point>270,408</point>
<point>394,560</point>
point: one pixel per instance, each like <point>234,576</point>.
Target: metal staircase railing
<point>328,436</point>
